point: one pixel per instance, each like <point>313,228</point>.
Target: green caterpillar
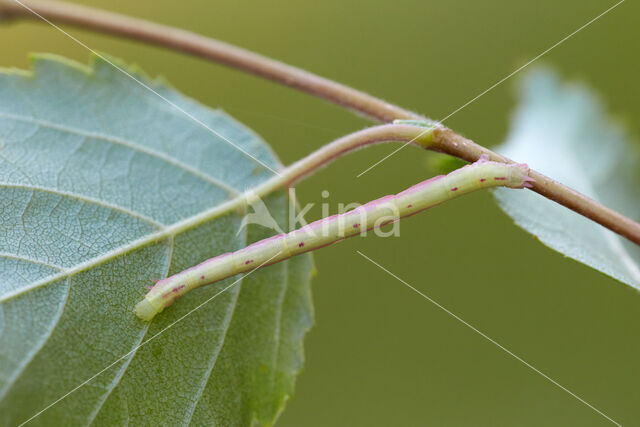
<point>429,193</point>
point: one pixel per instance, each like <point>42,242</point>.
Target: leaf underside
<point>563,131</point>
<point>95,173</point>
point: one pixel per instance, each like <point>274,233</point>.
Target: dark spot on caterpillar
<point>408,206</point>
<point>301,244</point>
<point>356,225</point>
<point>177,288</point>
<point>202,277</point>
<point>454,189</point>
<point>482,179</point>
<point>500,178</point>
<point>248,262</point>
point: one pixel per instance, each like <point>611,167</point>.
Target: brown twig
<point>445,140</point>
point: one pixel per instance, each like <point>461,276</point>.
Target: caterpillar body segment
<point>429,193</point>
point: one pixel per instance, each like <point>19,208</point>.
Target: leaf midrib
<point>169,231</point>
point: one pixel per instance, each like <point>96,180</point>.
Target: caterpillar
<point>321,233</point>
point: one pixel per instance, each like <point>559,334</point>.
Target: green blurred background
<point>379,353</point>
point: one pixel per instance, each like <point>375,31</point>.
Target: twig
<point>444,140</point>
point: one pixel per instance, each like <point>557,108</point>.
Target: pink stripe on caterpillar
<point>376,202</point>
<point>319,223</point>
<point>423,196</point>
<point>421,185</point>
<point>264,241</point>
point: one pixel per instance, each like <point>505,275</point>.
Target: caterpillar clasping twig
<point>429,193</point>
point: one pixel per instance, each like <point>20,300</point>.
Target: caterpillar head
<point>519,176</point>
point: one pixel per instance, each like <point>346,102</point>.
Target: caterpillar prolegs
<point>429,193</point>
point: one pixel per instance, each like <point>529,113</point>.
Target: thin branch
<point>341,146</point>
<point>328,153</point>
<point>445,140</point>
<point>204,47</point>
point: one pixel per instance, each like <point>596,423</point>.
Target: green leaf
<point>563,131</point>
<point>104,186</point>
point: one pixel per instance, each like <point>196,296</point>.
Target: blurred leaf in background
<point>563,131</point>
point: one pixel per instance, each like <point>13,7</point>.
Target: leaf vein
<point>279,319</point>
<point>131,145</point>
<point>30,260</point>
<point>214,358</point>
<point>87,199</point>
<point>31,355</point>
<point>125,365</point>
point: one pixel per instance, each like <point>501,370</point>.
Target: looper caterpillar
<point>429,193</point>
